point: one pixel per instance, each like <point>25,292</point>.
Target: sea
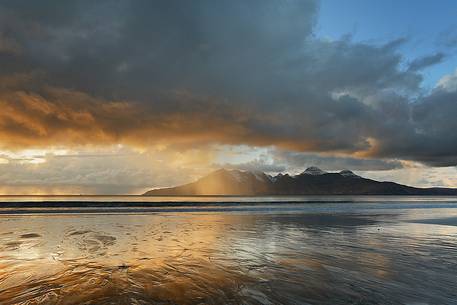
<point>228,250</point>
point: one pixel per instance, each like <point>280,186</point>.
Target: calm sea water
<point>229,250</point>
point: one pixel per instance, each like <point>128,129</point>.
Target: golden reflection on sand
<point>220,258</point>
<point>94,258</point>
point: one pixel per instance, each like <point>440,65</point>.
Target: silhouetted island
<point>313,181</point>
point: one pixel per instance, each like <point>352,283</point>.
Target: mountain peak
<point>313,170</point>
<point>241,175</point>
<point>348,173</point>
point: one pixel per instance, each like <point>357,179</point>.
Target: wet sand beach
<point>367,251</point>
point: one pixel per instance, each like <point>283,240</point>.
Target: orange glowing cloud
<point>69,118</point>
<point>60,117</point>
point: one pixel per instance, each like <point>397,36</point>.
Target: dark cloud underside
<point>205,72</point>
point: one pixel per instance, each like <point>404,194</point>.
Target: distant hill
<point>313,181</point>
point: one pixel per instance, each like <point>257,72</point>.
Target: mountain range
<point>313,181</point>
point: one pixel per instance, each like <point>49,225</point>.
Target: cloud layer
<point>189,74</point>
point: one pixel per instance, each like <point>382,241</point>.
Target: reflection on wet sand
<point>225,258</point>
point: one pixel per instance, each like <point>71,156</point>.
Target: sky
<point>117,97</point>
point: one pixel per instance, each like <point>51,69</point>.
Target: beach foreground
<point>366,251</point>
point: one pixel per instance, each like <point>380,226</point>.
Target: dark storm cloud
<point>426,61</point>
<point>276,161</point>
<point>138,48</point>
<point>430,136</point>
<point>196,72</point>
<point>333,163</point>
